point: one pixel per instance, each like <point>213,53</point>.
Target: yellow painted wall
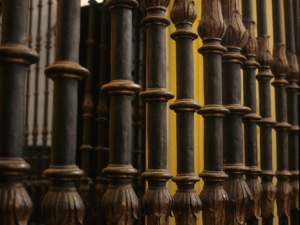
<point>199,92</point>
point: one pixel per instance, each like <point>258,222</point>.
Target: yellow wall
<point>171,85</point>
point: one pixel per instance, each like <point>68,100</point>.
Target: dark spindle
<point>103,112</point>
<point>45,131</point>
<point>279,69</point>
<point>292,90</point>
<point>27,101</point>
<point>88,118</point>
<point>213,196</point>
<point>296,18</point>
<point>62,204</point>
<point>250,119</point>
<point>187,204</point>
<point>234,40</point>
<point>138,152</point>
<point>157,200</point>
<point>15,57</point>
<point>264,58</point>
<point>119,195</point>
<point>34,158</point>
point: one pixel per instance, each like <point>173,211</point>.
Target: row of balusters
<point>226,197</point>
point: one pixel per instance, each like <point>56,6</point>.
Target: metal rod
<point>138,148</point>
<point>88,118</point>
<point>264,58</point>
<point>15,57</point>
<point>157,199</point>
<point>212,29</point>
<point>27,101</point>
<point>119,195</point>
<point>250,135</point>
<point>62,204</point>
<point>103,112</point>
<point>187,204</point>
<point>292,90</point>
<point>237,189</point>
<point>279,69</point>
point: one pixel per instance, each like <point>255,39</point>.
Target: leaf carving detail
<point>283,198</point>
<point>267,199</point>
<point>254,208</point>
<point>183,11</point>
<point>295,194</point>
<point>264,57</point>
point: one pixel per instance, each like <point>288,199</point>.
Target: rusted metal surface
<point>62,204</point>
<point>187,204</point>
<point>119,202</point>
<point>250,135</point>
<point>292,90</point>
<point>212,29</point>
<point>15,57</point>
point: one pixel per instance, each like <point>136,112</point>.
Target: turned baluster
<point>138,126</point>
<point>88,118</point>
<point>292,90</point>
<point>213,196</point>
<point>279,69</point>
<point>15,57</point>
<point>157,199</point>
<point>62,204</point>
<point>119,202</point>
<point>103,112</point>
<point>250,135</point>
<point>237,189</point>
<point>264,58</point>
<point>187,204</point>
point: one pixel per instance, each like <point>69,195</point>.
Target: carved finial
<point>239,196</point>
<point>283,198</point>
<point>295,194</point>
<point>293,71</point>
<point>254,208</point>
<point>120,205</point>
<point>62,206</point>
<point>211,25</point>
<point>280,64</point>
<point>183,11</point>
<point>214,200</point>
<point>157,204</point>
<point>267,199</point>
<point>264,57</point>
<point>236,35</point>
<point>250,49</point>
<point>156,4</point>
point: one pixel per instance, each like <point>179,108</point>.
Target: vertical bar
<point>212,29</point>
<point>237,189</point>
<point>264,58</point>
<point>157,199</point>
<point>292,90</point>
<point>250,135</point>
<point>279,69</point>
<point>138,152</point>
<point>62,204</point>
<point>187,204</point>
<point>119,201</point>
<point>103,112</point>
<point>15,57</point>
<point>34,160</point>
<point>296,11</point>
<point>88,118</point>
<point>26,126</point>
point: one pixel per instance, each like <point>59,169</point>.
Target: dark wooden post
<point>62,204</point>
<point>264,58</point>
<point>138,119</point>
<point>292,90</point>
<point>279,69</point>
<point>15,57</point>
<point>103,112</point>
<point>250,119</point>
<point>88,118</point>
<point>119,201</point>
<point>213,196</point>
<point>187,204</point>
<point>234,40</point>
<point>157,200</point>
